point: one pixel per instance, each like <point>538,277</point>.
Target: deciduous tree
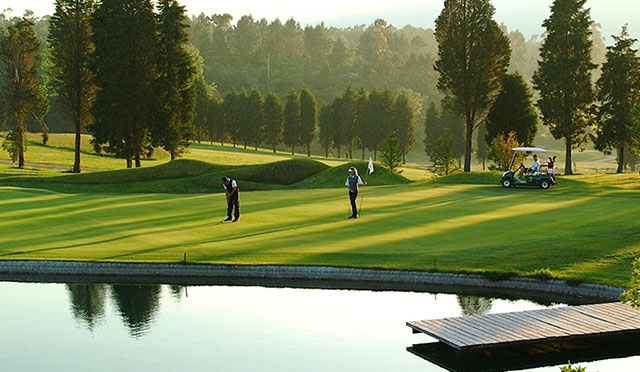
<point>391,153</point>
<point>501,151</point>
<point>513,111</point>
<point>20,89</point>
<point>473,55</point>
<point>482,149</point>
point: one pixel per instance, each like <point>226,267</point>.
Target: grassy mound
<point>180,168</point>
<point>177,177</point>
<point>336,177</point>
<point>256,177</point>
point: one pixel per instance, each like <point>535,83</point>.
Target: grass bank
<point>185,176</point>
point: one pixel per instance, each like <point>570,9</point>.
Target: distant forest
<point>278,56</point>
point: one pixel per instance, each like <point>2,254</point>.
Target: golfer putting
<point>231,191</point>
<point>353,183</point>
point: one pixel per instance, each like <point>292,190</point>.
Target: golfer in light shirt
<point>353,182</point>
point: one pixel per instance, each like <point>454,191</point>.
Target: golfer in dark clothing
<point>231,190</point>
<point>353,181</point>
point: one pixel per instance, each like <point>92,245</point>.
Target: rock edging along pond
<point>412,280</point>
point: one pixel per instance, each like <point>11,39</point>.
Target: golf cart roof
<point>529,149</point>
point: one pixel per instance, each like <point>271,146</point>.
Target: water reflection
<point>87,303</point>
<point>240,328</point>
<point>177,291</point>
<point>473,305</point>
<point>137,305</point>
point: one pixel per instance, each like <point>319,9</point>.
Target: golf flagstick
<point>366,178</point>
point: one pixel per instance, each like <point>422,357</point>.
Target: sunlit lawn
<point>59,151</point>
<point>578,231</point>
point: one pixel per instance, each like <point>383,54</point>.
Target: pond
<point>126,327</point>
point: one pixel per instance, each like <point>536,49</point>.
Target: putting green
<point>579,231</point>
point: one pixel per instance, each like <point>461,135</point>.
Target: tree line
<point>353,121</point>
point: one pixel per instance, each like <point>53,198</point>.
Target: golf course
<point>294,212</point>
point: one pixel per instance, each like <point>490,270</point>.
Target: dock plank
<point>562,323</point>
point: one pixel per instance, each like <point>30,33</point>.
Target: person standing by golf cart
<point>231,191</point>
<point>353,183</point>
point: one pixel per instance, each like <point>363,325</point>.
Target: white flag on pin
<point>370,166</point>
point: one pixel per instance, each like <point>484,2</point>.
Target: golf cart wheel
<point>506,183</point>
<point>545,184</point>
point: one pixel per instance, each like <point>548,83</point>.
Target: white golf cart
<point>539,178</point>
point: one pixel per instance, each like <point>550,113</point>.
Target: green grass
<point>60,151</point>
<point>580,231</point>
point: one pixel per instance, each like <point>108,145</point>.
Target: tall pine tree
<point>201,114</point>
<point>380,117</point>
<point>176,94</point>
<point>70,41</point>
<point>326,124</point>
<point>336,115</point>
<point>292,121</point>
<point>618,89</point>
<point>563,77</point>
<point>124,34</point>
<point>349,120</point>
<point>404,125</point>
<point>308,119</point>
<point>244,131</point>
<point>255,117</point>
<point>362,118</point>
<point>273,120</point>
<point>216,122</point>
<point>431,130</point>
<point>473,55</point>
<point>232,115</point>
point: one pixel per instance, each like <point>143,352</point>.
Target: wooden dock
<point>532,327</point>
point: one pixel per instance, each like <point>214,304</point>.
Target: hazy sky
<point>525,15</point>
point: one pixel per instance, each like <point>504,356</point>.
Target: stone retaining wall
<point>416,280</point>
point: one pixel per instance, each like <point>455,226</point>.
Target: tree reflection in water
<point>472,305</point>
<point>87,303</point>
<point>177,291</point>
<point>137,304</point>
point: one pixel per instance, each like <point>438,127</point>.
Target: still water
<point>111,327</point>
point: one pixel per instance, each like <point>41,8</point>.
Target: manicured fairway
<point>579,231</point>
